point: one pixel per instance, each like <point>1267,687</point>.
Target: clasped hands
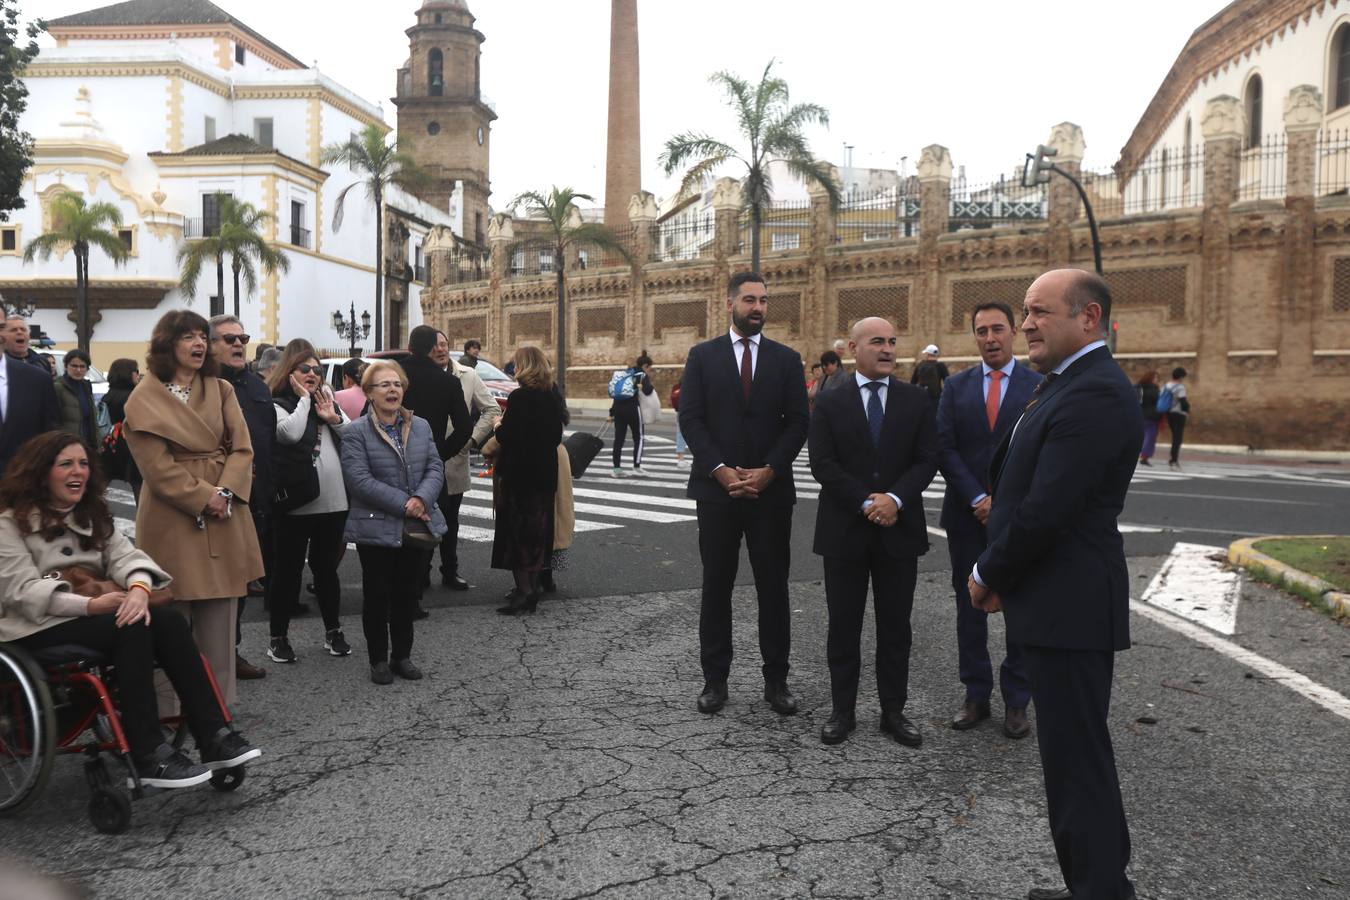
<point>131,606</point>
<point>416,509</point>
<point>742,483</point>
<point>982,597</point>
<point>882,510</point>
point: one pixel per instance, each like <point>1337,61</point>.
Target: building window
<point>299,233</point>
<point>435,82</point>
<point>1253,104</point>
<point>438,18</point>
<point>208,129</point>
<point>210,214</point>
<point>478,228</point>
<point>239,53</point>
<point>262,132</point>
<point>419,264</point>
<point>1341,47</point>
<point>127,237</point>
<point>9,241</point>
<point>433,128</point>
<point>1162,181</point>
<point>545,261</point>
<point>786,241</point>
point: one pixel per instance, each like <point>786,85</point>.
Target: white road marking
<point>485,512</point>
<point>1222,497</point>
<point>645,499</point>
<point>1195,587</point>
<point>1322,695</point>
<point>638,515</point>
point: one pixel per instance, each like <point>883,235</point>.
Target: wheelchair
<point>49,700</point>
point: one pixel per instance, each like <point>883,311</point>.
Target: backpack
<point>102,420</point>
<point>1164,404</point>
<point>929,378</point>
<point>623,384</point>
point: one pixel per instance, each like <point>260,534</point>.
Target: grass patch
<point>1326,558</point>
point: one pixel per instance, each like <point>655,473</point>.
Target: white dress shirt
<point>1002,395</point>
<point>883,392</point>
<point>4,386</point>
<point>738,348</point>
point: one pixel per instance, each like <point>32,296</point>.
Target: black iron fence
<point>594,256</point>
<point>300,237</point>
<point>1168,178</point>
<point>994,204</point>
<point>1261,170</point>
<point>884,215</point>
<point>686,237</point>
<point>469,264</point>
<point>196,228</point>
<point>784,227</point>
<point>1331,175</point>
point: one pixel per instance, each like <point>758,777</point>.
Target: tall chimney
<point>623,152</point>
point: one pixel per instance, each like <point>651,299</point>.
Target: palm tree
<point>80,226</point>
<point>558,208</point>
<point>236,236</point>
<point>773,128</point>
<point>380,164</point>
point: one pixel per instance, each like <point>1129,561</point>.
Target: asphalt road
<point>560,755</point>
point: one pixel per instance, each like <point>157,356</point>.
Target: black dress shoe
<point>1015,724</point>
<point>454,582</point>
<point>546,583</point>
<point>1049,894</point>
<point>972,714</point>
<point>894,723</point>
<point>780,698</point>
<point>837,727</point>
<point>713,698</point>
<point>418,614</point>
<point>520,604</point>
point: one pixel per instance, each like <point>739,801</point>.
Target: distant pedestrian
<point>75,395</point>
<point>18,347</point>
<point>394,475</point>
<point>625,386</point>
<point>526,480</point>
<point>483,410</point>
<point>931,373</point>
<point>1178,410</point>
<point>1148,406</point>
<point>114,456</point>
<point>351,399</point>
<point>680,446</point>
<point>832,374</point>
<point>813,377</point>
<point>472,348</point>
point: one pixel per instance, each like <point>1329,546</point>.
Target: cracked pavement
<point>560,756</point>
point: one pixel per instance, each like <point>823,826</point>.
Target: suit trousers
<point>213,626</point>
<point>449,504</point>
<point>892,579</point>
<point>767,530</point>
<point>1072,690</point>
<point>972,633</point>
<point>390,582</point>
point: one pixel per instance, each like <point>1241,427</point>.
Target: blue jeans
<point>680,445</point>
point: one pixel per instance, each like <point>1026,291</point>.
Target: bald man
<point>1055,565</point>
<point>874,448</point>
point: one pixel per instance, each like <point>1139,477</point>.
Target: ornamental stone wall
<point>1252,298</point>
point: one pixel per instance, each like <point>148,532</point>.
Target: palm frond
<point>698,175</point>
<point>340,206</point>
<point>684,147</point>
<point>813,171</point>
<point>42,246</point>
<point>596,235</point>
<point>110,244</point>
<point>248,273</point>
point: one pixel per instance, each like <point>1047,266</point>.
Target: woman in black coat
<point>526,475</point>
<point>117,462</point>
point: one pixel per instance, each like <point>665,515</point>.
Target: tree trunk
<point>82,299</point>
<point>218,301</point>
<point>560,364</point>
<point>379,270</point>
<point>755,216</point>
<point>236,288</point>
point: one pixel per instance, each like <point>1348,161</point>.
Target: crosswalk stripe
<point>638,515</point>
<point>648,499</point>
<point>486,512</point>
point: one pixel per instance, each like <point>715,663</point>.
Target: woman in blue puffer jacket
<point>394,476</point>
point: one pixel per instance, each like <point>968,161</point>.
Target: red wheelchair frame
<point>82,690</point>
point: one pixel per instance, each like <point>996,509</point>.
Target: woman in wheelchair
<point>53,517</point>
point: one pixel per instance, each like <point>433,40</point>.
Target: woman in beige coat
<point>191,444</point>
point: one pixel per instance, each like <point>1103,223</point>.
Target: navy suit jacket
<point>722,428</point>
<point>30,408</point>
<point>1055,554</point>
<point>849,468</point>
<point>965,443</point>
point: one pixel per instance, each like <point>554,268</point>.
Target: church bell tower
<point>441,113</point>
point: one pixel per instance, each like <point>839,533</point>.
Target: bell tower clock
<point>442,116</point>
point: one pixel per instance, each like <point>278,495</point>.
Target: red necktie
<point>991,401</point>
<point>747,369</point>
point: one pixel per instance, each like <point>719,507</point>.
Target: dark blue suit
<point>30,407</point>
<point>1056,558</point>
<point>965,446</point>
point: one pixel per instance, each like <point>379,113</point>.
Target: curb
<point>1244,553</point>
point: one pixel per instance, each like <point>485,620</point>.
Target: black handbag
<point>417,533</point>
<point>296,490</point>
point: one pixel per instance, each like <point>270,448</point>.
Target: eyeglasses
<point>306,368</point>
<point>386,385</point>
<point>233,339</point>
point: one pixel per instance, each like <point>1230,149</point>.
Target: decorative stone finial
<point>1303,109</point>
<point>500,228</point>
<point>1224,119</point>
<point>727,194</point>
<point>642,207</point>
<point>1067,138</point>
<point>935,163</point>
<point>158,196</point>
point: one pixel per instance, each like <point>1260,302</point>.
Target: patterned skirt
<point>523,538</point>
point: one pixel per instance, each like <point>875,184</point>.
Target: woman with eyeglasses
<point>394,475</point>
<point>188,437</point>
<point>310,500</point>
<point>75,396</point>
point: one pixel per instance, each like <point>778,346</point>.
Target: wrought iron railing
<point>1168,178</point>
<point>884,215</point>
<point>995,204</point>
<point>300,237</point>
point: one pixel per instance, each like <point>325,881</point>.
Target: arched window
<point>1341,72</point>
<point>1186,153</point>
<point>1253,104</point>
<point>435,83</point>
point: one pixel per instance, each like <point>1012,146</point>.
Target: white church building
<point>157,106</point>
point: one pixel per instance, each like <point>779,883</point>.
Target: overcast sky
<point>985,78</point>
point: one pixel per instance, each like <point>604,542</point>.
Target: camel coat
<point>185,452</point>
<point>564,519</point>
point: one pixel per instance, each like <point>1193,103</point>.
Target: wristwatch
<point>226,493</point>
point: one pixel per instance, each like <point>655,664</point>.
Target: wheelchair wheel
<point>109,810</point>
<point>226,780</point>
<point>27,730</point>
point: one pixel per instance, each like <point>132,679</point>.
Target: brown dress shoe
<point>245,670</point>
<point>972,714</point>
<point>1015,723</point>
<point>1049,894</point>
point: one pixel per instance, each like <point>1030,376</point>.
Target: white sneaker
<point>640,472</point>
<point>618,473</point>
<point>681,463</point>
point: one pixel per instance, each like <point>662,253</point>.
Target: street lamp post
<point>1037,171</point>
<point>349,329</point>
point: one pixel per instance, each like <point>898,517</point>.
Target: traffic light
<point>1112,335</point>
<point>1037,168</point>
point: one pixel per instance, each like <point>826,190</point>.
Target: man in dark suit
<point>435,395</point>
<point>28,405</point>
<point>1056,565</point>
<point>977,409</point>
<point>873,444</point>
<point>744,414</point>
